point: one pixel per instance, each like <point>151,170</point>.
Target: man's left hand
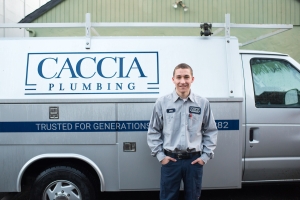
<point>198,160</point>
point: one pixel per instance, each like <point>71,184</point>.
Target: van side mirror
<point>291,97</point>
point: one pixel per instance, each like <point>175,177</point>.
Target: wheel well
<point>37,167</point>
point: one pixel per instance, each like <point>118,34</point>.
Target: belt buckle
<point>179,156</point>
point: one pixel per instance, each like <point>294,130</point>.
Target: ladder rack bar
<point>145,25</point>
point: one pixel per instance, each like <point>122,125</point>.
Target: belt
<point>182,155</point>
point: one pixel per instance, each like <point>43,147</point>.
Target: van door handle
<point>253,136</point>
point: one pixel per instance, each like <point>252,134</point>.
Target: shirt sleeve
<point>155,135</point>
<point>209,134</point>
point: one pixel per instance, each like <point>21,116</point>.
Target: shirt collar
<point>176,97</point>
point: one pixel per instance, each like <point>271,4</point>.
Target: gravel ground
<point>248,192</point>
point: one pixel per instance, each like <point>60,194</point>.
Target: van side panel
<point>59,97</point>
<point>115,67</point>
<point>20,154</point>
<point>83,129</point>
<point>138,170</point>
<point>225,169</point>
<point>121,170</point>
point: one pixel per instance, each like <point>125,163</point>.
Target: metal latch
<point>129,146</point>
<point>88,31</point>
<point>53,113</point>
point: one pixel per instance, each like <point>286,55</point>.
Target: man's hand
<point>167,159</point>
<point>198,160</point>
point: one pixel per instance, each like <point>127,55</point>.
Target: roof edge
<point>40,11</point>
<point>245,51</point>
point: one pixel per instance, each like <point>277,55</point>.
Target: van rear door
<point>272,84</point>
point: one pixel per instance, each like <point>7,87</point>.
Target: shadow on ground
<point>248,192</point>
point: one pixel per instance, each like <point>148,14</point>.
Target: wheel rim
<point>62,190</point>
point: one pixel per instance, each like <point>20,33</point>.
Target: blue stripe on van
<point>227,124</point>
<point>94,126</point>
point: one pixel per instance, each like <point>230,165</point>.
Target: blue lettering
<point>78,67</point>
<point>70,68</point>
<point>119,86</point>
<point>131,86</point>
<point>121,67</point>
<point>99,86</point>
<point>40,68</point>
<point>51,85</point>
<point>99,67</point>
<point>72,86</point>
<point>86,87</point>
<point>138,66</point>
<point>60,87</point>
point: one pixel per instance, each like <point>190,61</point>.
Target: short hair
<point>183,66</point>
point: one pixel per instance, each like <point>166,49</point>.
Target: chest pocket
<point>194,124</point>
<point>173,122</point>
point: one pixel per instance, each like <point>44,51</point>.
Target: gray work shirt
<point>178,125</point>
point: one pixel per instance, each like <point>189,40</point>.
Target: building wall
<point>12,11</point>
<point>242,11</point>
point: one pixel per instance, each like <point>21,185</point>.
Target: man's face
<point>183,79</point>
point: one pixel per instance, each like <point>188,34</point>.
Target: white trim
<point>271,181</point>
<point>42,156</point>
<point>87,25</point>
<point>272,159</point>
<point>243,51</point>
<point>42,25</point>
<point>288,26</point>
<point>231,89</point>
<point>146,25</point>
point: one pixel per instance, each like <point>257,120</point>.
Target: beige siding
<point>241,11</point>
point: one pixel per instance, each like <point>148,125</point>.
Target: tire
<point>62,182</point>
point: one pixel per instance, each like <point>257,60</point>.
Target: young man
<point>182,135</point>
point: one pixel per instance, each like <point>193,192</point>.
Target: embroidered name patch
<point>171,110</point>
<point>196,110</point>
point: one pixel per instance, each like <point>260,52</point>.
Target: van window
<point>276,83</point>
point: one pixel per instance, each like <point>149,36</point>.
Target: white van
<point>74,120</point>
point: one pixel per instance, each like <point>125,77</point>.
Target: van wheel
<point>62,183</point>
